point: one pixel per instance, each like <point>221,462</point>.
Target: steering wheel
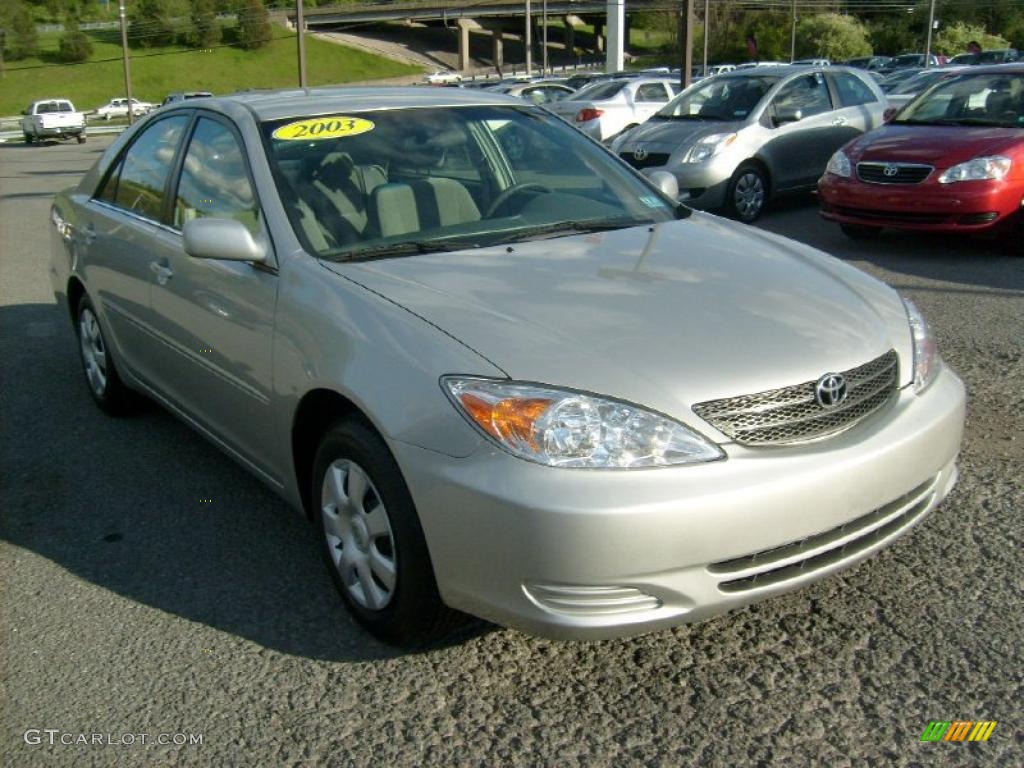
<point>511,192</point>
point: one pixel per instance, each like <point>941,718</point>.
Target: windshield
<point>599,91</point>
<point>724,98</point>
<point>405,181</point>
<point>983,99</point>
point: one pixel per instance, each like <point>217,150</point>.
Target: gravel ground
<point>128,606</point>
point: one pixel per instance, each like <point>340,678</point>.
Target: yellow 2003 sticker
<point>330,127</point>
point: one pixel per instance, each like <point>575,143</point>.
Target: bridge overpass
<point>493,17</point>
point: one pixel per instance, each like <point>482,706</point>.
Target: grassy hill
<point>158,71</point>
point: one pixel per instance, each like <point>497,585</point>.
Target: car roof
<point>298,102</point>
<point>1016,67</point>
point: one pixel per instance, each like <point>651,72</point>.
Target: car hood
<point>668,135</point>
<point>667,317</point>
<point>941,146</point>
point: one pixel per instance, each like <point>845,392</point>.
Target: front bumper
<point>971,206</point>
<point>701,185</point>
<point>585,554</point>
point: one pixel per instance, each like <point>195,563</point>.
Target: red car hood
<point>940,146</point>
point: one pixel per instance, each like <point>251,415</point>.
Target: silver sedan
<point>533,388</point>
<point>736,140</point>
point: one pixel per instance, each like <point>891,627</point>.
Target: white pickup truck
<point>52,118</point>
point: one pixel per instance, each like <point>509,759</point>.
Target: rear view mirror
<point>225,239</point>
<point>667,183</point>
<point>784,116</point>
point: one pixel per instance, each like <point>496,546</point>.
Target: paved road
<point>128,606</point>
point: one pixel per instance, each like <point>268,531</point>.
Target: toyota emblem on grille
<point>891,170</point>
<point>830,390</point>
<point>640,154</point>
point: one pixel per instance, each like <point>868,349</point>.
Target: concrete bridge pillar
<point>498,55</point>
<point>465,27</point>
<point>615,56</point>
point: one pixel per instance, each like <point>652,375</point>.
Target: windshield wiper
<point>404,248</point>
<point>575,228</point>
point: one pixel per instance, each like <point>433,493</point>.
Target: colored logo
<point>958,730</point>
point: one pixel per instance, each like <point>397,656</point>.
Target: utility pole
<point>300,30</point>
<point>544,14</point>
<point>127,60</point>
<point>928,45</point>
<point>528,41</point>
<point>686,43</point>
<point>707,34</point>
<point>792,36</point>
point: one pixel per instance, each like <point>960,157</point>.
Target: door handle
<point>163,272</point>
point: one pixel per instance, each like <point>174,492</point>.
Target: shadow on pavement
<point>119,503</point>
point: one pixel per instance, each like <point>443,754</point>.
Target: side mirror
<point>667,183</point>
<point>889,114</point>
<point>784,116</point>
<point>225,239</point>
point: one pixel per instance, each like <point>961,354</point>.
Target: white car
<point>444,77</point>
<point>119,108</point>
<point>749,64</point>
<point>605,109</point>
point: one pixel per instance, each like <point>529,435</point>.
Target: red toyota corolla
<point>951,161</point>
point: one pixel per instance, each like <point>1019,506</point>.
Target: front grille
<point>793,414</point>
<point>893,173</point>
<point>652,160</point>
<point>799,558</point>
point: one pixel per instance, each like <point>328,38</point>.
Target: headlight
<point>926,353</point>
<point>708,147</point>
<point>839,165</point>
<point>978,169</point>
<point>569,429</point>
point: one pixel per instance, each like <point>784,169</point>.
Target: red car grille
<point>893,173</point>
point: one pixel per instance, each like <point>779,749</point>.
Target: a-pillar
<point>615,56</point>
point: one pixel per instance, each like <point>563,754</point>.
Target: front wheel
<point>80,138</point>
<point>372,538</point>
<point>860,231</point>
<point>747,193</point>
<point>28,138</point>
<point>105,385</point>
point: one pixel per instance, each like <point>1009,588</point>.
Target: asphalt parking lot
<point>148,585</point>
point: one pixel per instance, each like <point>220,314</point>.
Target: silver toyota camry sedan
<point>526,385</point>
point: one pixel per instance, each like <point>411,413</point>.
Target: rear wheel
<point>28,138</point>
<point>372,539</point>
<point>860,231</point>
<point>81,138</point>
<point>747,193</point>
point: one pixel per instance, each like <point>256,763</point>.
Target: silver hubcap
<point>749,195</point>
<point>94,351</point>
<point>358,534</point>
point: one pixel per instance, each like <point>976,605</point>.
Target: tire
<point>28,138</point>
<point>747,193</point>
<point>365,509</point>
<point>860,231</point>
<point>101,376</point>
<point>80,138</point>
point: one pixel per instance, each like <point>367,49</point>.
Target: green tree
<point>831,36</point>
<point>955,38</point>
<point>204,29</point>
<point>151,25</point>
<point>253,25</point>
<point>75,45</point>
<point>891,36</point>
<point>21,40</point>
